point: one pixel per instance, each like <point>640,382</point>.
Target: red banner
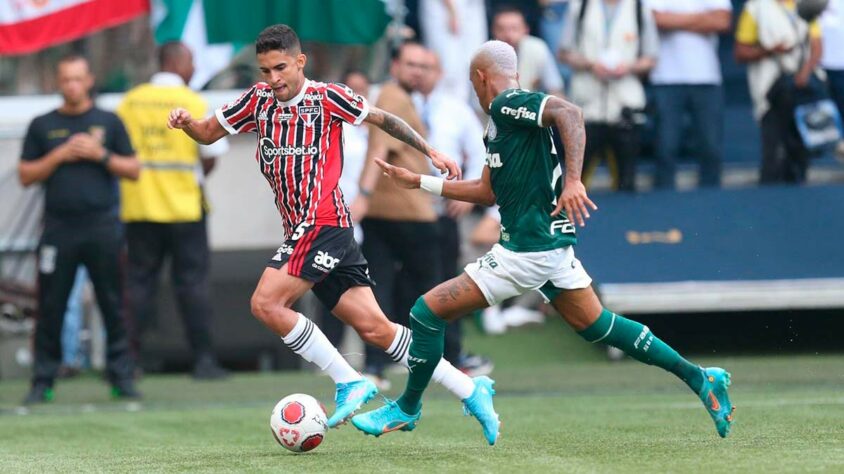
<point>23,30</point>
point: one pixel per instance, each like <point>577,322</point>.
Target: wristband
<point>432,184</point>
<point>106,157</point>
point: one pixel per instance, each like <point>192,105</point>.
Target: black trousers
<point>624,143</point>
<point>97,243</point>
<point>186,245</point>
<point>450,260</point>
<point>784,158</point>
<point>404,260</point>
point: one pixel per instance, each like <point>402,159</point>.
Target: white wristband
<point>432,184</point>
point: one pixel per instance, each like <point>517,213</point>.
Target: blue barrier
<point>781,239</point>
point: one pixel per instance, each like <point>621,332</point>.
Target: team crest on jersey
<point>310,113</point>
<point>491,130</point>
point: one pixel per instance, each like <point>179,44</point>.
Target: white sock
<point>445,374</point>
<point>307,340</point>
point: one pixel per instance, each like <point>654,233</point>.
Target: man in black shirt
<point>78,151</point>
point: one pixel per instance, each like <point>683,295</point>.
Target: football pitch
<point>565,408</point>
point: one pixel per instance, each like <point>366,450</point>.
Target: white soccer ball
<point>298,422</point>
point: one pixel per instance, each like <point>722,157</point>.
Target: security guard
<point>77,152</point>
<point>164,210</point>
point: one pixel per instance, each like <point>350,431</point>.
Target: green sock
<point>637,341</point>
<point>426,350</point>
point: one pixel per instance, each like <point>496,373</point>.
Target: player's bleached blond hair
<point>497,55</point>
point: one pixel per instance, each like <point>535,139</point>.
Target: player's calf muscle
<point>579,308</point>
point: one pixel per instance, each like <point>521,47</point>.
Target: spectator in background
<point>537,66</point>
<point>78,151</point>
<point>775,42</point>
<point>687,79</point>
<point>832,59</point>
<point>454,29</point>
<point>355,143</point>
<point>164,210</point>
<point>551,25</point>
<point>605,82</point>
<point>454,129</point>
<point>399,225</point>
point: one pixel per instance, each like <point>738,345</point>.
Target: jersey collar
<point>298,97</point>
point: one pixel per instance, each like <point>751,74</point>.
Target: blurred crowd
<point>633,66</point>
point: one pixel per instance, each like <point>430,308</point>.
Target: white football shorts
<point>502,274</point>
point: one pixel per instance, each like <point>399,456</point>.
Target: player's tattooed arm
<point>400,130</point>
<point>569,121</point>
<point>568,118</point>
<point>397,128</point>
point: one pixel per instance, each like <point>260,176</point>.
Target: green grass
<point>565,409</point>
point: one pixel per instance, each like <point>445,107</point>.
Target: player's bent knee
<point>264,307</point>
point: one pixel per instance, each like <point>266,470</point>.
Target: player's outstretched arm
<point>569,121</point>
<point>400,130</point>
<point>205,131</point>
<point>477,191</point>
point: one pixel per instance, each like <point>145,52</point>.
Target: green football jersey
<point>525,173</point>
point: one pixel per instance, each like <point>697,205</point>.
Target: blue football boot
<point>350,397</point>
<point>386,419</point>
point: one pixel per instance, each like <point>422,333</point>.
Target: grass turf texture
<point>565,409</point>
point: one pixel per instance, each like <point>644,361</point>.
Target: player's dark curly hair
<point>278,37</point>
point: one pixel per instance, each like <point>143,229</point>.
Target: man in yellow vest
<point>164,210</point>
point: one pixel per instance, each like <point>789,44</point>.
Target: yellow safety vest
<point>168,188</point>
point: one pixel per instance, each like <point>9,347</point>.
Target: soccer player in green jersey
<point>535,252</point>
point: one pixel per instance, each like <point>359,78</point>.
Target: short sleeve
<point>239,116</point>
<point>345,105</point>
<point>650,35</point>
<point>120,141</point>
<point>33,144</point>
<point>519,108</point>
<point>746,29</point>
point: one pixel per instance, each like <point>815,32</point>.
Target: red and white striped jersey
<point>300,147</point>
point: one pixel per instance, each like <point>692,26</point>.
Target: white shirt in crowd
<point>537,66</point>
<point>455,50</point>
<point>453,129</point>
<point>832,27</point>
<point>355,142</point>
<point>686,57</point>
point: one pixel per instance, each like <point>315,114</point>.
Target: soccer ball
<point>298,422</point>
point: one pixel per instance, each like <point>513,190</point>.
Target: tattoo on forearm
<point>400,130</point>
<point>573,134</point>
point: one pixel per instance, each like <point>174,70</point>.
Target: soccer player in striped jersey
<point>524,176</point>
<point>300,152</point>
